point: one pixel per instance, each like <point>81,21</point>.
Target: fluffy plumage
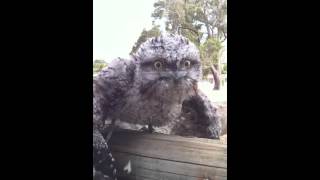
<point>152,86</point>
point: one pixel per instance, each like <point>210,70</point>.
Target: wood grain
<point>159,156</point>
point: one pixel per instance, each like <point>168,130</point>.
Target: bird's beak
<point>176,75</point>
<point>179,74</point>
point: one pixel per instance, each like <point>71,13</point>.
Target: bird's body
<point>152,87</point>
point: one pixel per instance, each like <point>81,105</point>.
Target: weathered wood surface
<point>159,156</point>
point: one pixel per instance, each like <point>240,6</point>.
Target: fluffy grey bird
<point>151,88</point>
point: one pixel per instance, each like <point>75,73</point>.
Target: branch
<point>224,35</point>
<point>196,32</point>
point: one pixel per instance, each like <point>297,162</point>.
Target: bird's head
<point>168,64</point>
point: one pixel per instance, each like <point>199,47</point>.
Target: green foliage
<point>202,21</point>
<point>210,54</point>
<point>145,34</point>
<point>98,65</point>
<point>158,13</point>
<point>224,69</point>
<point>192,15</point>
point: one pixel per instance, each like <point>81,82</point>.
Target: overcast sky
<point>117,25</point>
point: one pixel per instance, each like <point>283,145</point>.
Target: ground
<point>216,96</point>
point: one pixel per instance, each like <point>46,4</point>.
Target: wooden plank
<point>170,150</point>
<point>156,175</point>
<point>182,141</point>
<point>167,167</point>
<point>158,156</point>
<point>158,136</point>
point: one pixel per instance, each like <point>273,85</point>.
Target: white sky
<point>117,24</point>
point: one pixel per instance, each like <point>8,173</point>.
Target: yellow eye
<point>187,64</point>
<point>158,65</point>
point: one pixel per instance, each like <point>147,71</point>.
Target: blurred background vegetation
<point>98,65</point>
<point>204,22</point>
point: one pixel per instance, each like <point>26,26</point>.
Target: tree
<point>212,14</point>
<point>98,65</point>
<point>224,69</point>
<point>204,22</point>
<point>193,15</point>
<point>210,55</point>
<point>145,34</point>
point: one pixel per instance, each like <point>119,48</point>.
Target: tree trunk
<point>208,30</point>
<point>207,22</point>
<point>216,77</point>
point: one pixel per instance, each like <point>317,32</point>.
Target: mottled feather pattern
<point>153,86</point>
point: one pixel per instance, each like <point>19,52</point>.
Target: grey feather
<point>152,87</point>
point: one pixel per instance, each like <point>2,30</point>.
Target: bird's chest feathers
<point>141,110</point>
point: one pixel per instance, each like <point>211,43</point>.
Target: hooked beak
<point>175,75</point>
<point>179,74</point>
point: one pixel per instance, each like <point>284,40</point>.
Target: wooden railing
<point>145,156</point>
